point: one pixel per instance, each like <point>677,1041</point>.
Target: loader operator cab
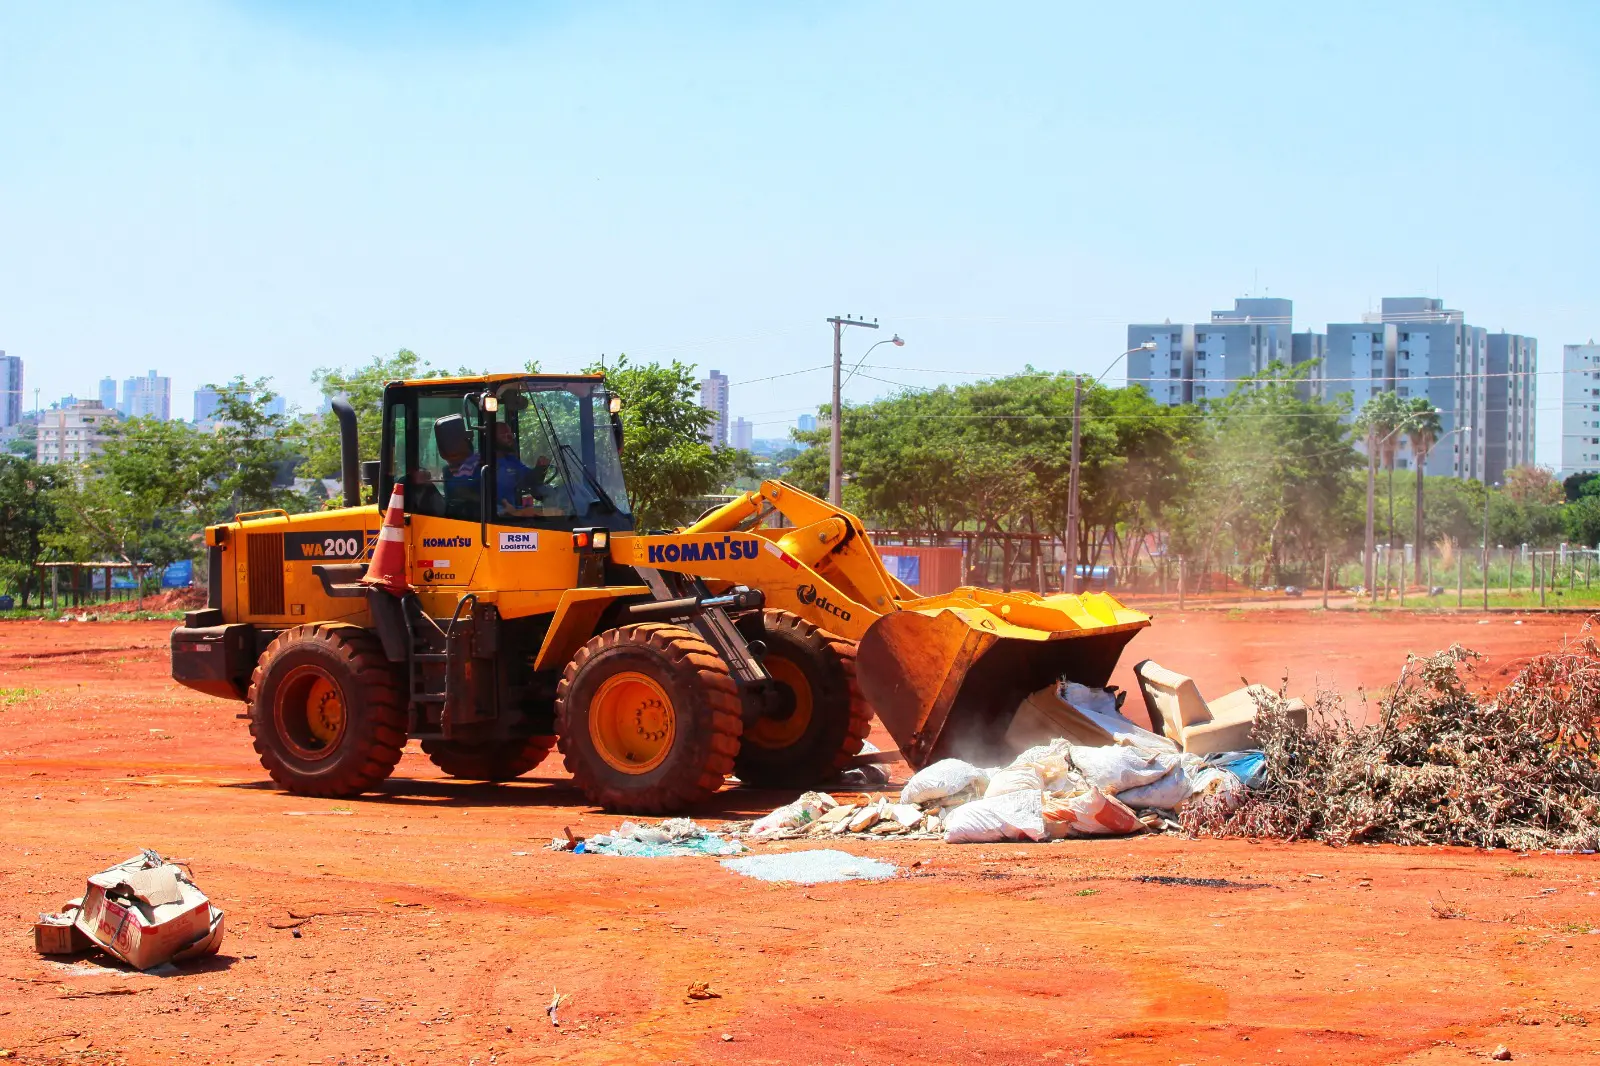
<point>537,452</point>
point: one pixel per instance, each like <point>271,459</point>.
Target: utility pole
<point>1372,464</point>
<point>835,437</point>
<point>1072,487</point>
<point>1486,489</point>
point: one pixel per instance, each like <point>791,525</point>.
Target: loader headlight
<point>591,540</point>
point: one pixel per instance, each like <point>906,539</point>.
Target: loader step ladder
<point>424,638</point>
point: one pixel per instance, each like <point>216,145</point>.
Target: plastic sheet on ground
<point>811,867</point>
<point>673,837</point>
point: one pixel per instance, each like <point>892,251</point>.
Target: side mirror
<point>616,430</point>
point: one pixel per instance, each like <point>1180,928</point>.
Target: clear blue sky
<point>269,186</point>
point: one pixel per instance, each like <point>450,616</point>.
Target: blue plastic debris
<point>672,838</point>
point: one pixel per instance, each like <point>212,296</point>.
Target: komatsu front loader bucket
<point>946,674</point>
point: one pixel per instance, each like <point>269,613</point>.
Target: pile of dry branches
<point>1443,765</point>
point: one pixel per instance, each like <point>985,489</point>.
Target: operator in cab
<point>521,491</point>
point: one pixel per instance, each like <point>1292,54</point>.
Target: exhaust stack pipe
<point>349,451</point>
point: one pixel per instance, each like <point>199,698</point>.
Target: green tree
<point>252,452</point>
<point>28,518</point>
<point>24,441</point>
<point>1533,485</point>
<point>363,386</point>
<point>1581,519</point>
<point>666,460</point>
<point>1380,421</point>
<point>1422,427</point>
<point>1273,477</point>
<point>144,498</point>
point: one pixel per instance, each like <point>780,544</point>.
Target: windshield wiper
<point>588,475</point>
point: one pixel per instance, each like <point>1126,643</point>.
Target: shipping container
<point>931,571</point>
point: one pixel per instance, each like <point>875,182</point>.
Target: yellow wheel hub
<point>309,713</point>
<point>782,732</point>
<point>632,723</point>
<point>324,711</point>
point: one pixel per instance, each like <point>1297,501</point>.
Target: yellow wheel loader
<point>524,611</point>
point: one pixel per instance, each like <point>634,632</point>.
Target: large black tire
<point>827,718</point>
<point>648,719</point>
<point>326,711</point>
<point>489,760</point>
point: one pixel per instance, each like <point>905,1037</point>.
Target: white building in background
<point>1484,385</point>
<point>10,390</point>
<point>1580,409</point>
<point>1202,361</point>
<point>72,434</point>
<point>714,398</point>
<point>147,397</point>
<point>743,434</point>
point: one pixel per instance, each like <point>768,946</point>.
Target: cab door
<point>443,538</point>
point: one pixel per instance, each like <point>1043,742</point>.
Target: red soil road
<point>434,927</point>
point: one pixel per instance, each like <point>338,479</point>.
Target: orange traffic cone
<point>388,567</point>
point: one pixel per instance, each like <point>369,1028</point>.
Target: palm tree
<point>1422,427</point>
<point>1381,418</point>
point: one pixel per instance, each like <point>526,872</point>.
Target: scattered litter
<point>557,1001</point>
<point>873,775</point>
<point>811,867</point>
<point>1120,779</point>
<point>1191,882</point>
<point>673,837</point>
<point>802,812</point>
<point>145,911</point>
<point>1502,1053</point>
<point>58,934</point>
<point>702,990</point>
<point>1080,714</point>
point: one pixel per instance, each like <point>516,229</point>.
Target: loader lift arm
<point>944,672</point>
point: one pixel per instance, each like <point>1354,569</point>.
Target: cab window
<point>553,466</point>
<point>445,477</point>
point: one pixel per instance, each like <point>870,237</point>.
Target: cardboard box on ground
<point>145,911</point>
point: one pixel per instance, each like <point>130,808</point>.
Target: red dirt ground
<point>434,928</point>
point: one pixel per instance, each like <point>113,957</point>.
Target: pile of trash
<point>1443,764</point>
<point>145,911</point>
<point>671,838</point>
<point>1137,782</point>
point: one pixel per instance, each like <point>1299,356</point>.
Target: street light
<point>1072,487</point>
<point>1147,346</point>
<point>894,340</point>
<point>835,441</point>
